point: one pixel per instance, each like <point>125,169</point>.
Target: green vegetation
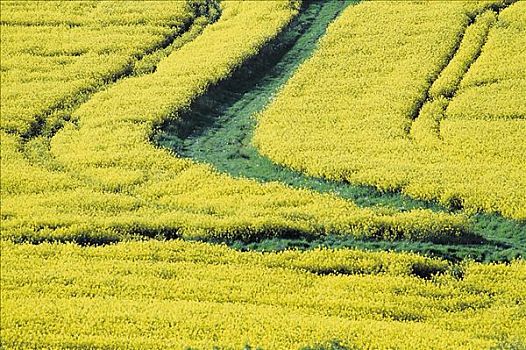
<point>110,241</point>
<point>346,112</point>
<point>218,129</point>
<point>177,294</point>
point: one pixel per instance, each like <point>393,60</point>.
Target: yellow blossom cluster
<point>426,127</point>
<point>99,179</point>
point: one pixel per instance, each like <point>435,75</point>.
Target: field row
<point>348,111</point>
<point>426,127</point>
<point>54,59</point>
<point>99,179</point>
<point>178,294</point>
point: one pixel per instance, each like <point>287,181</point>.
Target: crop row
<point>94,13</point>
<point>426,127</point>
<point>100,178</point>
<point>473,40</point>
<point>48,67</point>
<point>494,89</point>
<point>347,113</point>
<point>180,294</point>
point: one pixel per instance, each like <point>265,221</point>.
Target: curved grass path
<point>218,130</point>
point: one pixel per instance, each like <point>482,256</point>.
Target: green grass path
<point>218,129</point>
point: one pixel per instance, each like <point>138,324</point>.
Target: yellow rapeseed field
<point>53,53</point>
<point>99,177</point>
<point>100,229</point>
<point>349,111</point>
<point>182,295</point>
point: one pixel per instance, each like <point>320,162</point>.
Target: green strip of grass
<point>219,125</point>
